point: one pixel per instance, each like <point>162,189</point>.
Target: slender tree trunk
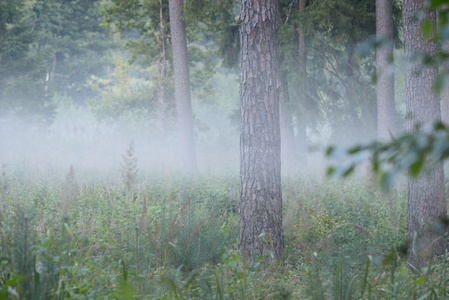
<point>53,68</point>
<point>445,104</point>
<point>161,72</point>
<point>386,126</point>
<point>287,135</point>
<point>260,165</point>
<point>301,126</point>
<point>182,86</point>
<point>445,92</point>
<point>426,195</point>
<point>288,149</point>
<point>1,87</point>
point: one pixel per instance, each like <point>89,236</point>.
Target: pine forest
<point>224,149</point>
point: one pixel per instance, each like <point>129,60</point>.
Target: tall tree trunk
<point>182,86</point>
<point>1,88</point>
<point>288,154</point>
<point>301,126</point>
<point>260,154</point>
<point>386,126</point>
<point>161,72</point>
<point>426,195</point>
<point>445,92</point>
<point>53,67</point>
<point>288,149</point>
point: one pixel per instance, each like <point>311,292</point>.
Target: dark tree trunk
<point>426,196</point>
<point>182,86</point>
<point>301,126</point>
<point>161,72</point>
<point>260,165</point>
<point>386,126</point>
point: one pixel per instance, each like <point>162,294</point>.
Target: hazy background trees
<point>82,70</point>
<point>114,60</point>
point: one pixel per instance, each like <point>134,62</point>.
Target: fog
<point>96,149</point>
<point>77,139</point>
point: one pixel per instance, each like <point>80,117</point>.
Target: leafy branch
<point>409,152</point>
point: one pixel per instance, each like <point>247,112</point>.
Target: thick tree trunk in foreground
<point>182,86</point>
<point>386,125</point>
<point>426,196</point>
<point>260,166</point>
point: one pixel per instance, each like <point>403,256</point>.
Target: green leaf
<point>415,167</point>
<point>439,83</point>
<point>437,3</point>
<point>439,126</point>
<point>354,150</point>
<point>190,281</point>
<point>349,171</point>
<point>421,280</point>
<point>427,28</point>
<point>268,240</point>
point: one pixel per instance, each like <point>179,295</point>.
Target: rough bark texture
<point>182,86</point>
<point>260,171</point>
<point>302,136</point>
<point>386,126</point>
<point>426,196</point>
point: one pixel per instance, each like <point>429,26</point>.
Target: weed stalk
<point>341,267</point>
<point>137,250</point>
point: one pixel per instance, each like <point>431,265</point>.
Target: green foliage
<point>409,152</point>
<point>338,88</point>
<point>177,240</point>
<point>70,32</point>
<point>48,47</point>
<point>122,95</point>
<point>21,66</point>
<point>139,25</point>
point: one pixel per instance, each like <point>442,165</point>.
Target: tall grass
<point>73,237</point>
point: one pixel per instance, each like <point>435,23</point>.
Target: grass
<point>70,237</point>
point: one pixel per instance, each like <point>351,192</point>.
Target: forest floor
<point>175,237</point>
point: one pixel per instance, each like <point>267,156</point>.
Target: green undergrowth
<point>175,237</point>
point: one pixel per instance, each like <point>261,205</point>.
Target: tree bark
<point>386,125</point>
<point>260,165</point>
<point>426,195</point>
<point>301,126</point>
<point>186,149</point>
